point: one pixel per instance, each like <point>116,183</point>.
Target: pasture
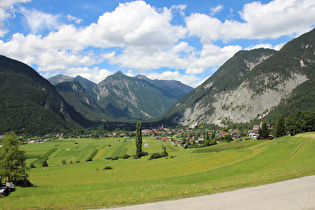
<point>184,173</point>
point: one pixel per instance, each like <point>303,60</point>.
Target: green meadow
<point>81,184</point>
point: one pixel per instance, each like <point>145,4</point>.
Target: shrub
<point>126,156</point>
<point>108,168</point>
<point>155,156</point>
<point>144,153</point>
<point>23,183</point>
<point>115,158</point>
<point>64,162</point>
<point>45,164</point>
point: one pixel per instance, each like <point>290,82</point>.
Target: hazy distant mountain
<point>29,103</point>
<point>173,88</point>
<point>137,98</point>
<point>253,83</point>
<point>59,79</point>
<point>87,84</point>
<point>75,94</point>
<point>120,97</point>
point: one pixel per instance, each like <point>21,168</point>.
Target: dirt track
<point>291,194</point>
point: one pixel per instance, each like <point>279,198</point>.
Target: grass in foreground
<point>188,173</point>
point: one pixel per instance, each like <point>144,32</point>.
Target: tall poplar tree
<point>138,141</point>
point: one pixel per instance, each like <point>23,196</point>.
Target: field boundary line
<point>292,153</point>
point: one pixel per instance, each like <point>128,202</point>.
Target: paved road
<point>289,195</point>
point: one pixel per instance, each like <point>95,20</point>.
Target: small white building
<point>146,145</point>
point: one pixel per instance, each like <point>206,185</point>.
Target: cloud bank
<point>143,38</point>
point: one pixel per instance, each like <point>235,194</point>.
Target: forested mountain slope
<point>29,103</point>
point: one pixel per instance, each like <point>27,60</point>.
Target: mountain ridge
<point>120,97</point>
<point>241,91</point>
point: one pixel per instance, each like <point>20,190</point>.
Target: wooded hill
<point>31,104</point>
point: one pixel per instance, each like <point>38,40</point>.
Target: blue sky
<point>185,40</point>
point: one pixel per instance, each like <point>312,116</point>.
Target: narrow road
<point>292,194</point>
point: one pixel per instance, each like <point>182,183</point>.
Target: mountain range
<point>120,97</point>
<point>253,84</point>
<point>250,85</point>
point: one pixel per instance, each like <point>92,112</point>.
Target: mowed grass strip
<point>44,157</point>
<point>120,151</point>
<point>86,185</point>
<point>99,154</point>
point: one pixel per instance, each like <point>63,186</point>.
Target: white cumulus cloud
<point>39,21</point>
<point>74,19</point>
<point>140,37</point>
<point>260,21</point>
<point>215,10</point>
<point>6,8</point>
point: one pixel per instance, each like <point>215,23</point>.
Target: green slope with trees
<point>30,104</point>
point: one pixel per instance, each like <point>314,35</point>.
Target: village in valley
<point>177,136</point>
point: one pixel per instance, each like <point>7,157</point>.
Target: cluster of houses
<point>199,138</point>
<point>160,134</point>
<point>164,134</point>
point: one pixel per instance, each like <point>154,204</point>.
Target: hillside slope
<point>250,84</point>
<point>75,94</point>
<point>29,103</point>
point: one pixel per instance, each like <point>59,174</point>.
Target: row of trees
<point>302,121</point>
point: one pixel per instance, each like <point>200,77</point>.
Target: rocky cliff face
<point>240,105</point>
<point>250,84</point>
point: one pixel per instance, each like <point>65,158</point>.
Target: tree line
<point>300,122</point>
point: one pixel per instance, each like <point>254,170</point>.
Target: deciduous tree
<point>12,161</point>
<point>228,138</point>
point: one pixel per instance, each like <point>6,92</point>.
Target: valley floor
<point>71,182</point>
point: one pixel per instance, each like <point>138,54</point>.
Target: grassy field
<point>184,173</point>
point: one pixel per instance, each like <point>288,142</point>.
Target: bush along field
<point>109,180</point>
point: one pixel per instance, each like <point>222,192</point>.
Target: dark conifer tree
<point>280,128</point>
<point>263,132</point>
<point>138,141</point>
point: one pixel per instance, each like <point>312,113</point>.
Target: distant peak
<point>139,76</point>
<point>118,73</point>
